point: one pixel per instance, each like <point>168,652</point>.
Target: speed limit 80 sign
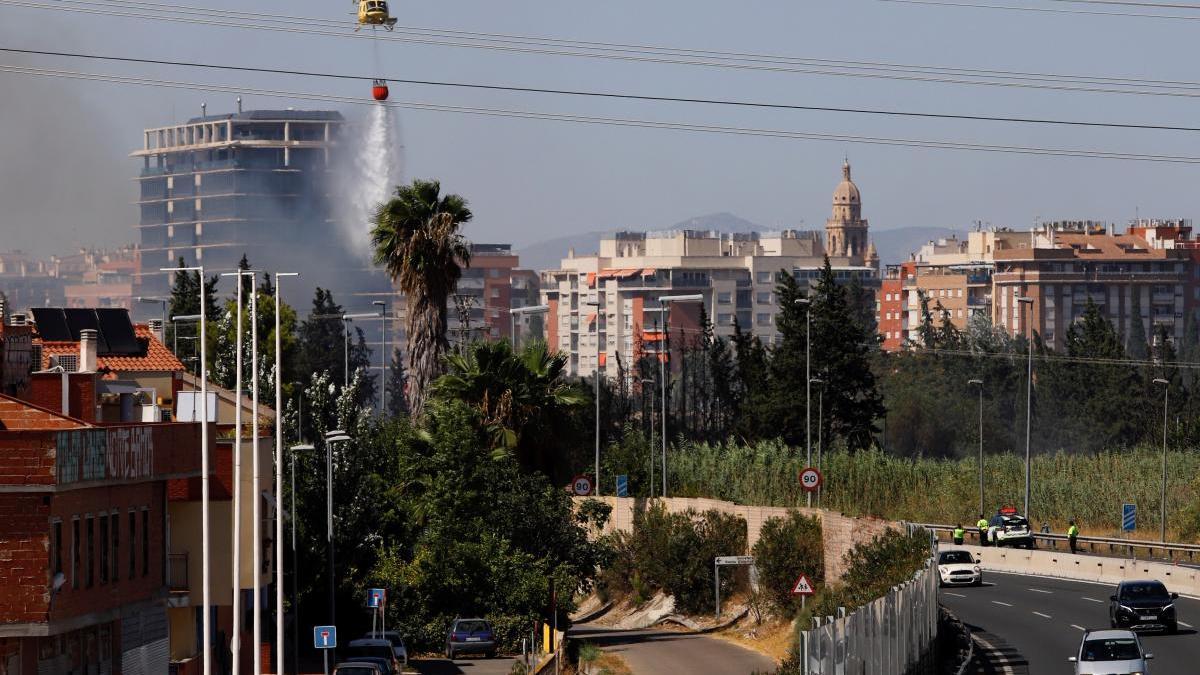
<point>810,479</point>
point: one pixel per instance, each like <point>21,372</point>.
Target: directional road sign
<point>582,485</point>
<point>802,586</point>
<point>324,637</point>
<point>735,560</point>
<point>1128,517</point>
<point>376,597</point>
<point>623,485</point>
<point>810,479</point>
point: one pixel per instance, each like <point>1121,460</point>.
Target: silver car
<point>1110,652</point>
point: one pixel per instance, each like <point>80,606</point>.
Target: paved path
<point>469,665</point>
<point>658,652</point>
<point>1032,624</point>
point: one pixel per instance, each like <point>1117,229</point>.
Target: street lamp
<point>1028,395</point>
<point>206,601</point>
<point>175,319</point>
<point>346,320</point>
<point>278,557</point>
<point>979,383</point>
<point>596,378</point>
<point>158,301</point>
<point>1163,516</point>
<point>383,358</point>
<point>331,437</point>
<point>808,383</point>
<point>665,301</point>
<point>820,425</point>
<point>514,312</point>
<point>295,563</point>
<point>647,381</point>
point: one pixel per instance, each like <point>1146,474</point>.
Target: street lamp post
<point>1163,516</point>
<point>278,557</point>
<point>1028,395</point>
<point>664,302</point>
<point>820,426</point>
<point>295,566</point>
<point>205,573</point>
<point>596,382</point>
<point>175,319</point>
<point>331,437</point>
<point>979,383</point>
<point>647,381</point>
<point>383,358</point>
<point>807,384</point>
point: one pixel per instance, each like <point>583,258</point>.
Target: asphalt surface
<point>1032,624</point>
<point>658,652</point>
<point>474,665</point>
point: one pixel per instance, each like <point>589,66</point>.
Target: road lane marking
<point>1038,590</point>
<point>1044,616</point>
<point>997,602</point>
<point>1078,627</point>
<point>1093,600</point>
<point>957,595</point>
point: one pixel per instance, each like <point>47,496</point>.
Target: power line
<point>913,349</point>
<point>1046,10</point>
<point>619,52</point>
<point>615,121</point>
<point>612,95</point>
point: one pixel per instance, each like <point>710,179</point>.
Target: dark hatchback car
<point>1143,605</point>
<point>470,636</point>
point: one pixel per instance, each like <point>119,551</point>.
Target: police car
<point>1009,528</point>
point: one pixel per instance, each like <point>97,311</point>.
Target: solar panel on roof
<point>79,320</point>
<point>52,324</point>
<point>117,330</point>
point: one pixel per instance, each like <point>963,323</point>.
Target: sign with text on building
<point>119,453</point>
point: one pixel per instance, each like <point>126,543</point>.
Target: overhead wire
<point>613,121</point>
<point>139,9</point>
<point>1045,10</point>
<point>611,95</point>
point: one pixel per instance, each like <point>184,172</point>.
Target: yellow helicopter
<point>374,13</point>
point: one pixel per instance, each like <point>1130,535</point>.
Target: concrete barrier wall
<point>840,533</point>
<point>1184,580</point>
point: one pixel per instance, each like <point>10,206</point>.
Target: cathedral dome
<point>846,192</point>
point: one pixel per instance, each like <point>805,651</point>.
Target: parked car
<point>470,636</point>
<point>1009,528</point>
<point>398,648</point>
<point>357,668</point>
<point>1143,605</point>
<point>370,648</point>
<point>959,568</point>
<point>387,665</point>
<point>1110,651</point>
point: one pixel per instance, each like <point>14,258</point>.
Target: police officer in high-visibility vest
<point>1073,536</point>
<point>983,530</point>
<point>959,533</point>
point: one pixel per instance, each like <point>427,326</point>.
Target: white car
<point>958,568</point>
<point>1110,651</point>
<point>1009,528</point>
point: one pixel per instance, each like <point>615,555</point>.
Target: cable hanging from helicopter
<point>375,13</point>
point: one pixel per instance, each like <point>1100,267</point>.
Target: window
<point>495,291</point>
<point>56,554</point>
<point>145,542</point>
<point>90,562</point>
<point>764,277</point>
<point>103,549</point>
<point>724,319</point>
<point>75,552</point>
<point>763,319</point>
<point>115,528</point>
<point>724,298</point>
<point>764,298</point>
<point>132,544</point>
<point>959,293</point>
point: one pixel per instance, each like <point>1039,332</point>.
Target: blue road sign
<point>1128,517</point>
<point>623,485</point>
<point>376,597</point>
<point>324,637</point>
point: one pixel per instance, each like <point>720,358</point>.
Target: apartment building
<point>607,305</point>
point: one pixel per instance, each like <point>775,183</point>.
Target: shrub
<point>786,547</point>
<point>886,561</point>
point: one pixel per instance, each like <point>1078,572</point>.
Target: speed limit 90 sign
<point>582,485</point>
<point>810,479</point>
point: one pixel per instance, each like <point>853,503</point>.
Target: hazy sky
<point>65,174</point>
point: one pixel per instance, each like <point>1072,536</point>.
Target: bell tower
<point>846,230</point>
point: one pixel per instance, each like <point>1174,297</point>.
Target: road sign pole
<point>717,586</point>
<point>325,654</point>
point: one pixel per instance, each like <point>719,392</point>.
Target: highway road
<point>1032,624</point>
<point>659,652</point>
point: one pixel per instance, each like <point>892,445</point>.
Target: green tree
<point>397,403</point>
<point>751,372</point>
<point>788,364</point>
<point>1136,345</point>
<point>416,238</point>
<point>323,344</point>
<point>185,301</point>
<point>840,352</point>
<point>786,548</point>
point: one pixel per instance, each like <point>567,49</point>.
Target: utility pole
<point>1028,395</point>
<point>277,577</point>
<point>979,383</point>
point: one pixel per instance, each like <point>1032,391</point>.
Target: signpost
<point>377,600</point>
<point>1128,517</point>
<point>810,479</point>
<point>803,588</point>
<point>623,485</point>
<point>325,638</point>
<point>726,560</point>
<point>581,485</point>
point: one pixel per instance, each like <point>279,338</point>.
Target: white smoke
<point>377,167</point>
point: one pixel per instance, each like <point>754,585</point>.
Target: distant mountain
<point>894,245</point>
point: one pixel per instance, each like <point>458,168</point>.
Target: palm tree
<point>416,238</point>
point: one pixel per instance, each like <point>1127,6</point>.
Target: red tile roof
<point>156,359</point>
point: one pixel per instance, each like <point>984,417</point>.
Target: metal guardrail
<point>1094,545</point>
